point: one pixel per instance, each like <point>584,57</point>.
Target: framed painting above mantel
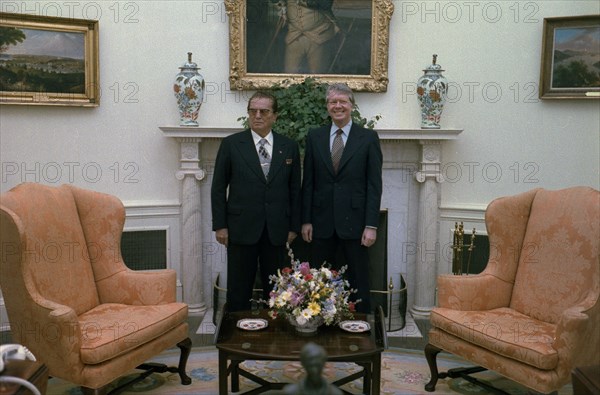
<point>570,66</point>
<point>48,60</point>
<point>272,41</point>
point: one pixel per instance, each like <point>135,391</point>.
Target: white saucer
<point>252,324</point>
<point>355,326</point>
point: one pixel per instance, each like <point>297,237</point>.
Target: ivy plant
<point>302,106</point>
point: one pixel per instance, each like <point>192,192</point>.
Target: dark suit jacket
<point>350,200</point>
<point>252,200</point>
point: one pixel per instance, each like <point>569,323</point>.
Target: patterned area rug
<point>403,372</point>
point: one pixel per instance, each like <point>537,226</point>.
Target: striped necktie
<point>337,149</point>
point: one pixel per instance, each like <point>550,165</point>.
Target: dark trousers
<point>339,252</point>
<point>242,264</point>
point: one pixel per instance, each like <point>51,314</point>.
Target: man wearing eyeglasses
<point>341,191</point>
<point>255,198</point>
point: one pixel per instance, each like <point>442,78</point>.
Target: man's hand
<point>307,231</point>
<point>222,236</point>
<point>368,237</point>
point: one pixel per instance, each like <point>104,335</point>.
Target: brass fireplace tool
<point>457,249</point>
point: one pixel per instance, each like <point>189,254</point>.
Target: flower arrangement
<point>307,294</point>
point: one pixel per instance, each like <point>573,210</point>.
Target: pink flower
<point>304,268</point>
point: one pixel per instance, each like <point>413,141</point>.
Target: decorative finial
<point>434,58</point>
<point>190,57</point>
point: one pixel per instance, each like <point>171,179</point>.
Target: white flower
<point>304,316</point>
<point>283,299</point>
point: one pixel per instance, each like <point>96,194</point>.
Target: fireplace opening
<point>144,249</point>
<point>474,255</point>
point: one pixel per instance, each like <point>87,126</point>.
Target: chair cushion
<point>503,331</point>
<point>112,329</point>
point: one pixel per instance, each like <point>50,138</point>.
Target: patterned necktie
<point>263,155</point>
<point>337,149</point>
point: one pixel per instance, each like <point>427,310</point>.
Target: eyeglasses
<point>261,111</point>
<point>338,102</point>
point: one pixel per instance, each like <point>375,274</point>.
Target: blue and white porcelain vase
<point>431,92</point>
<point>189,91</point>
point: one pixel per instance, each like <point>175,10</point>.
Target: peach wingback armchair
<point>71,300</point>
<point>533,314</point>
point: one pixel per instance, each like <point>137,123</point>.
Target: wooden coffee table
<point>280,342</point>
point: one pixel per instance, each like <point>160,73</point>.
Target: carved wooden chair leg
<point>431,353</point>
<point>186,347</point>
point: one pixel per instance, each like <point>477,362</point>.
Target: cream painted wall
<point>489,49</point>
<point>491,52</point>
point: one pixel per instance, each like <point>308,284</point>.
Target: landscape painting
<point>576,58</point>
<point>571,60</point>
<point>45,61</point>
<point>42,60</point>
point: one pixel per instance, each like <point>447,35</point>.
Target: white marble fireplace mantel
<point>419,147</point>
<point>200,132</point>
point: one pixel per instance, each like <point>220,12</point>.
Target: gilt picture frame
<point>350,37</point>
<point>570,66</point>
<point>48,60</point>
